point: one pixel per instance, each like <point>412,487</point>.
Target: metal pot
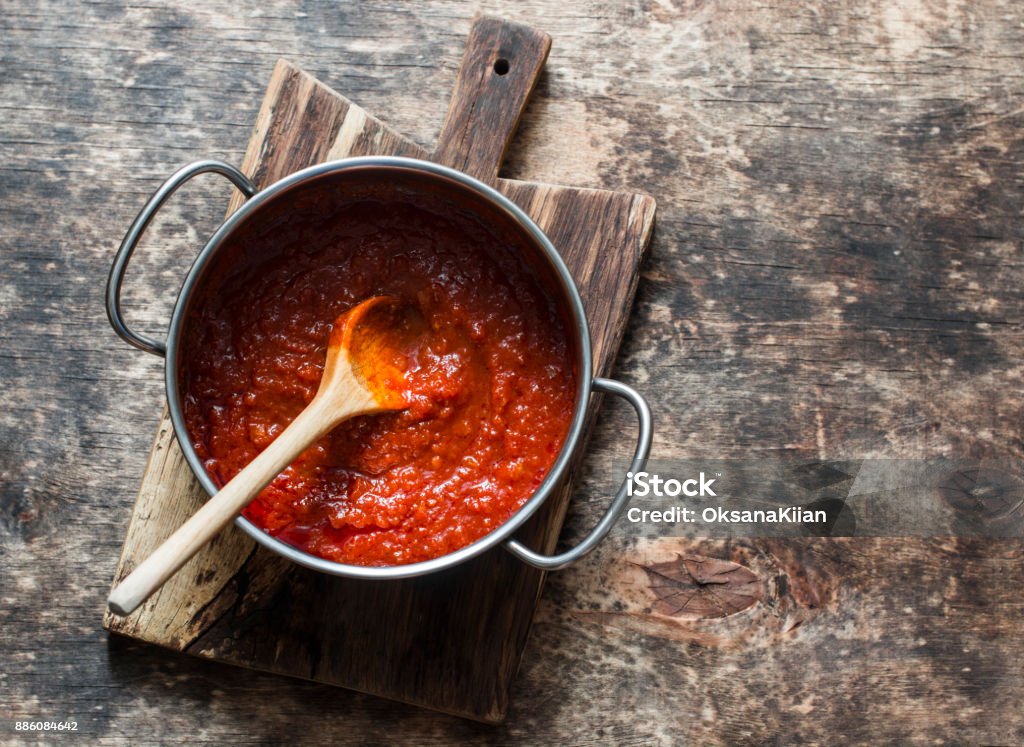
<point>407,176</point>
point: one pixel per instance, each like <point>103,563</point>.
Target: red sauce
<point>492,387</point>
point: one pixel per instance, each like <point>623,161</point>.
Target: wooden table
<point>836,273</point>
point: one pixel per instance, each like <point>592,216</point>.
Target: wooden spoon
<point>362,375</point>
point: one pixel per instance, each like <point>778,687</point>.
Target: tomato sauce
<point>491,388</point>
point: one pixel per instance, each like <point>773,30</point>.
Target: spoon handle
<point>313,422</point>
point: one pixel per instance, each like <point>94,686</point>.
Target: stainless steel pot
<point>406,175</point>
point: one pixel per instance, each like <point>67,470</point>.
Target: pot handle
<point>131,239</point>
<point>621,499</point>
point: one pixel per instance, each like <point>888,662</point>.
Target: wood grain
<point>499,70</point>
<point>836,273</point>
<point>476,619</point>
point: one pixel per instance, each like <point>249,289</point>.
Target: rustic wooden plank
<point>478,619</point>
<point>499,70</point>
<point>802,154</point>
<point>168,495</point>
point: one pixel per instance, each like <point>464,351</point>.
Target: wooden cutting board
<point>450,641</point>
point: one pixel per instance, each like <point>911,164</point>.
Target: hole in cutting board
<point>501,66</point>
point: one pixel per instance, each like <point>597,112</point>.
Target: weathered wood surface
<point>836,272</point>
<point>460,639</point>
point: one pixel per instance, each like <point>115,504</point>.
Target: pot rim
<point>584,362</point>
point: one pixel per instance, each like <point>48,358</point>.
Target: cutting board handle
<point>500,67</point>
